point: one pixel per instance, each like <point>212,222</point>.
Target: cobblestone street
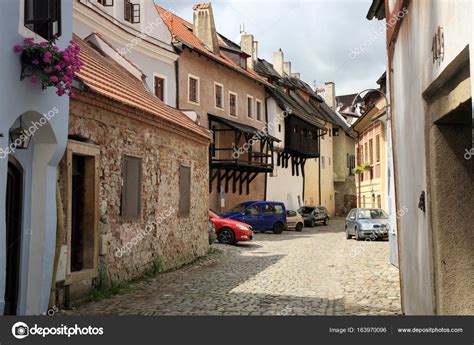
<point>315,272</point>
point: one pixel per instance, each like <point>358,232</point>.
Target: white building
<point>134,30</point>
<point>430,61</point>
<point>28,176</point>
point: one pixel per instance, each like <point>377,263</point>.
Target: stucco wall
<point>413,72</point>
<point>38,162</point>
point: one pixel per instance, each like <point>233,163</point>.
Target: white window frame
<point>261,110</point>
<point>165,91</point>
<point>222,96</point>
<point>198,89</point>
<point>252,106</point>
<point>236,103</point>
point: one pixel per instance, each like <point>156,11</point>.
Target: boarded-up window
<point>132,186</point>
<point>184,191</point>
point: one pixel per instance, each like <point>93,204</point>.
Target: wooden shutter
<point>184,191</point>
<point>131,189</point>
<point>160,88</point>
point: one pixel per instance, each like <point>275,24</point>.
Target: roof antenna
<point>242,28</point>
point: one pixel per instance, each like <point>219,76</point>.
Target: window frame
<point>133,9</point>
<point>126,217</point>
<point>216,84</point>
<point>251,108</point>
<point>165,86</point>
<point>106,3</point>
<point>232,93</point>
<point>30,25</point>
<point>258,101</point>
<point>198,89</point>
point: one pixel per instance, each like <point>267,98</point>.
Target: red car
<point>230,231</point>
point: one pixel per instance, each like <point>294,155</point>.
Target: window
<point>219,95</point>
<point>278,209</point>
<point>371,151</point>
<point>366,152</point>
<point>258,110</point>
<point>43,17</point>
<point>131,188</point>
<point>268,209</point>
<point>295,130</point>
<point>232,103</point>
<point>131,12</point>
<point>250,106</point>
<point>330,132</point>
<point>160,88</point>
<point>363,201</point>
<point>106,3</point>
<point>377,148</point>
<point>193,89</point>
<point>335,132</point>
<point>379,201</point>
<point>243,62</point>
<point>252,210</point>
<point>184,191</point>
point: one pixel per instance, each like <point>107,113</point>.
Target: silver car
<point>367,223</point>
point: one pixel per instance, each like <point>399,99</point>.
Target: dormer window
<point>132,12</point>
<point>106,3</point>
<point>243,62</point>
<point>43,17</point>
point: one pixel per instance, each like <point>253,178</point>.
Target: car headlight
<point>242,227</point>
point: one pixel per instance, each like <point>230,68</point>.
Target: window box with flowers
<point>44,63</point>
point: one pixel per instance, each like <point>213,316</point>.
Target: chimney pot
<point>204,26</point>
<point>278,62</point>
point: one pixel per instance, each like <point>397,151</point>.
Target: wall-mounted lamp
<point>20,137</point>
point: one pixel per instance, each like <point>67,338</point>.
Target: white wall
<point>147,44</point>
<point>413,73</point>
<point>39,162</point>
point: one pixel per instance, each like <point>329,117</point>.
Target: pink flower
<point>47,57</point>
<point>54,79</point>
<point>57,68</point>
<point>34,80</point>
<point>18,48</point>
<point>35,62</point>
<point>43,44</point>
<point>48,70</point>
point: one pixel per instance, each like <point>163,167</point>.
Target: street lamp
<point>387,104</point>
<point>20,137</point>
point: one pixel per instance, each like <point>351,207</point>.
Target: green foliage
<point>361,168</point>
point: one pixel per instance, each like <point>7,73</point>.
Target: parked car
<point>230,231</point>
<point>294,220</point>
<point>261,215</point>
<point>314,214</point>
<point>367,223</point>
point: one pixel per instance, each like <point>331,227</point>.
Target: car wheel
<point>299,227</point>
<point>226,236</point>
<point>326,221</point>
<point>358,238</point>
<point>278,228</point>
<point>313,223</point>
<point>348,235</point>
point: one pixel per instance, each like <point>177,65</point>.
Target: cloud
<point>316,36</point>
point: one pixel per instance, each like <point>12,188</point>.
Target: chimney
<point>296,75</point>
<point>205,27</point>
<point>330,94</point>
<point>250,47</point>
<point>278,62</point>
<point>287,68</point>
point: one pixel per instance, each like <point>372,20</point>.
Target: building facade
<point>132,182</point>
<point>431,117</point>
<point>28,176</point>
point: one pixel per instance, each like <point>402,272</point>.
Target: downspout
<point>59,239</point>
<point>176,70</point>
<point>266,174</point>
<point>319,169</point>
<point>358,175</point>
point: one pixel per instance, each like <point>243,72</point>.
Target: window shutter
<point>184,191</point>
<point>131,190</point>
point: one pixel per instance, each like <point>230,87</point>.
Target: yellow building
<point>371,150</point>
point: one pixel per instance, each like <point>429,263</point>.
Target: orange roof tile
<point>104,76</point>
<point>182,30</point>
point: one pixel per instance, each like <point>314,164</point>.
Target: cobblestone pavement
<point>315,272</point>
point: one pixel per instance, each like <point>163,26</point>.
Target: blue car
<point>261,215</point>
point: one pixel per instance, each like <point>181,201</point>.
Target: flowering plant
<point>51,66</point>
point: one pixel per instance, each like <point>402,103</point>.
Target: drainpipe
<point>57,251</point>
<point>176,69</point>
<point>358,175</point>
<point>319,169</point>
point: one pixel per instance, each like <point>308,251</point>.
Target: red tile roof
<point>106,77</point>
<point>182,30</point>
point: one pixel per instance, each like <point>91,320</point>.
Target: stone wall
<point>120,130</point>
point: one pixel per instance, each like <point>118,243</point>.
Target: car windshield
<point>372,214</point>
<point>305,210</point>
<point>214,214</point>
<point>239,208</point>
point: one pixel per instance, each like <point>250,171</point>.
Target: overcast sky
<point>315,35</point>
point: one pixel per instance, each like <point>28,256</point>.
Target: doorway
<point>13,235</point>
